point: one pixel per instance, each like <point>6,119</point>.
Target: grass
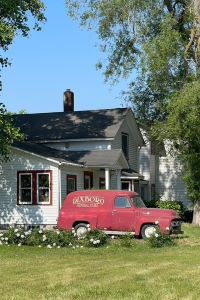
<point>115,272</point>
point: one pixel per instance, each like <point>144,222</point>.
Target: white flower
<point>49,246</point>
<point>17,234</point>
<point>91,240</point>
<point>40,231</point>
<point>70,244</point>
<point>81,246</point>
<point>72,228</point>
<point>112,237</point>
<point>75,234</point>
<point>88,225</point>
<point>54,244</point>
<point>2,238</point>
<point>58,232</point>
<point>22,236</point>
<point>89,229</point>
<point>1,234</point>
<point>39,246</point>
<point>58,247</point>
<point>156,235</point>
<point>77,246</point>
<point>167,228</point>
<point>73,231</point>
<point>6,239</point>
<point>156,222</point>
<point>94,242</point>
<point>26,233</point>
<point>74,247</point>
<point>98,241</point>
<point>16,229</point>
<point>19,245</point>
<point>6,243</point>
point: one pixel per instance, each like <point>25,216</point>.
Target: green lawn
<point>105,273</point>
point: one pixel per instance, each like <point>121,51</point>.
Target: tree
<point>182,129</point>
<point>14,20</point>
<point>156,43</point>
<point>8,133</point>
<point>145,40</point>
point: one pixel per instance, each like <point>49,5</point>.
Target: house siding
<point>170,185</point>
<point>81,145</point>
<point>78,172</point>
<point>133,148</point>
<point>10,212</point>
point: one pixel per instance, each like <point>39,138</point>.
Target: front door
<point>122,215</point>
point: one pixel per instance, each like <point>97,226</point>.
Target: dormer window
<point>125,144</point>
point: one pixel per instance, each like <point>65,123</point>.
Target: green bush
<point>159,240</point>
<point>170,204</point>
<point>51,238</point>
<point>127,241</point>
<point>96,238</point>
<point>187,216</point>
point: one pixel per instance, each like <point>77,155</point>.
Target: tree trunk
<point>196,213</point>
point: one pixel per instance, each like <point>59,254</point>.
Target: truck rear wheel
<point>148,230</point>
<point>81,229</point>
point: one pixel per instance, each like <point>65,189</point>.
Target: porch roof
<point>99,158</point>
<point>131,174</point>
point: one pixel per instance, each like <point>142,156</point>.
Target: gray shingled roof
<point>105,158</point>
<point>71,125</point>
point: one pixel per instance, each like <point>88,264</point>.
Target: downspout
<point>59,189</point>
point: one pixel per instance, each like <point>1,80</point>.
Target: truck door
<point>123,214</point>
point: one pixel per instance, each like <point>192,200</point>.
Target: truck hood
<point>159,213</point>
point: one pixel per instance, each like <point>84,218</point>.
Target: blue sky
<point>59,57</point>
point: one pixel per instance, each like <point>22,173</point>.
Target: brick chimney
<point>68,101</point>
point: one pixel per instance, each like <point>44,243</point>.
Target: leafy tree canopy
<point>155,42</point>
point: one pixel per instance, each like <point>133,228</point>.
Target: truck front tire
<point>81,229</point>
<point>148,230</point>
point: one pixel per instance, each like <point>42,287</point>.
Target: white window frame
<point>37,200</point>
<point>20,188</point>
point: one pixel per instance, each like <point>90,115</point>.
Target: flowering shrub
<point>96,238</point>
<point>159,240</point>
<point>51,238</point>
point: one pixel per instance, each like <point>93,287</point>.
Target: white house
<point>67,151</point>
<point>75,150</point>
<point>162,174</point>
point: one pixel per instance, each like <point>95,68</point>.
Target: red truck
<point>115,212</point>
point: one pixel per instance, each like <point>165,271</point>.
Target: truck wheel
<point>148,230</point>
<point>81,229</point>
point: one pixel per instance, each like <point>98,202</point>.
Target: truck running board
<point>118,232</point>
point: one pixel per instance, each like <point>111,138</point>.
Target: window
<point>34,187</point>
<point>88,180</point>
<point>102,183</point>
<point>137,202</point>
<point>125,144</point>
<point>153,191</point>
<point>71,183</point>
<point>25,188</point>
<point>122,202</point>
<point>126,185</point>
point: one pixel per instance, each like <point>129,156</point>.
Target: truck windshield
<point>137,202</point>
